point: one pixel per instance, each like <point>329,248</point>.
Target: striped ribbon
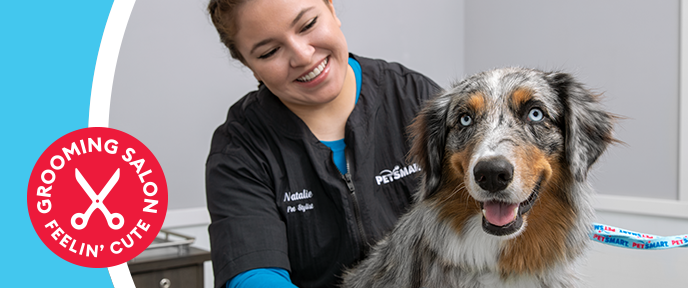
<point>635,240</point>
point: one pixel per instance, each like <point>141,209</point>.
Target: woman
<point>308,170</point>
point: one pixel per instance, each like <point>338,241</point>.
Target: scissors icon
<point>79,220</point>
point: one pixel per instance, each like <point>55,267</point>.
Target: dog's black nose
<point>493,174</point>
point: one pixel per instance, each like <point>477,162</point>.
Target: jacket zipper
<point>357,210</point>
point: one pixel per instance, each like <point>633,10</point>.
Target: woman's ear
<point>331,7</point>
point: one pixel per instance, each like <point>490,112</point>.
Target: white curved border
<point>101,89</point>
<point>121,277</point>
<point>104,73</point>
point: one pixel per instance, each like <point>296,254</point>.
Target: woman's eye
<point>466,120</point>
<point>310,24</point>
<point>536,115</point>
<point>268,54</point>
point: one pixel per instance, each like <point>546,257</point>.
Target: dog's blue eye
<point>466,120</point>
<point>536,115</point>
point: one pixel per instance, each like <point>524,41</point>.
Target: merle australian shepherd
<point>504,199</point>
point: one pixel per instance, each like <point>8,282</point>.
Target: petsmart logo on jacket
<point>388,176</point>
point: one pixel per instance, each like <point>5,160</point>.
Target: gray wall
<point>172,88</point>
<point>626,49</point>
<point>426,38</point>
<point>174,81</point>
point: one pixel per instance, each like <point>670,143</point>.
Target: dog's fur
<point>444,240</point>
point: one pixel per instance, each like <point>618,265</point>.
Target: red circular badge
<point>97,197</point>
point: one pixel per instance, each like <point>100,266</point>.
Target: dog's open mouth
<point>501,218</point>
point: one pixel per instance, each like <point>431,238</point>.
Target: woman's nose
<point>302,53</point>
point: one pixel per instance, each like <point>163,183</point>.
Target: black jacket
<point>276,198</point>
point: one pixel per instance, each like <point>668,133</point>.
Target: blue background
<point>48,52</point>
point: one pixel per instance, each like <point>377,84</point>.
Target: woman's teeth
<point>314,73</point>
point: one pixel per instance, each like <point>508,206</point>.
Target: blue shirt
<point>338,146</point>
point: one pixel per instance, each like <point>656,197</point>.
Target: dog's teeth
<point>484,213</point>
<point>515,212</point>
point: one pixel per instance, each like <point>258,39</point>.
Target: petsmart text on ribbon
<point>634,240</point>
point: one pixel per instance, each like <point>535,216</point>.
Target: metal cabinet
<point>169,264</point>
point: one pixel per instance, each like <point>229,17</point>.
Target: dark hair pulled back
<point>223,15</point>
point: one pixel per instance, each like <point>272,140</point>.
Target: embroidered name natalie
<point>388,176</point>
<point>295,196</point>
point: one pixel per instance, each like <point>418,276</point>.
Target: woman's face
<point>296,47</point>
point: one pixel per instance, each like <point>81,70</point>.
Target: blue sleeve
<point>262,277</point>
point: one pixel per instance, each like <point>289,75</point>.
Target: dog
<point>504,199</point>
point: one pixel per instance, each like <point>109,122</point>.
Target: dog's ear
<point>429,133</point>
<point>587,126</point>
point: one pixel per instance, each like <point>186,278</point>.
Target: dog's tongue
<point>499,213</point>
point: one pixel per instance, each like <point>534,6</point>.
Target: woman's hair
<point>223,15</point>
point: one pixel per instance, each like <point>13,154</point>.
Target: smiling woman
<point>323,121</point>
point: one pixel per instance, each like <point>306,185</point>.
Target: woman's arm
<point>246,230</point>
